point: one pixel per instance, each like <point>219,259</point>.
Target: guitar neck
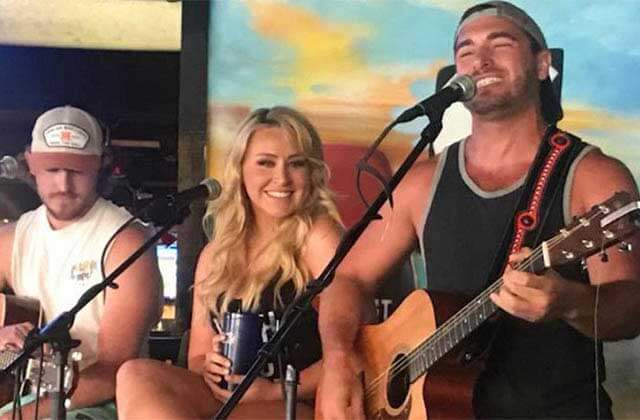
<point>604,225</point>
<point>464,322</point>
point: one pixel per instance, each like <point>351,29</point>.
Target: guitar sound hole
<point>398,383</point>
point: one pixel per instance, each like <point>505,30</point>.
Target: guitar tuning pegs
<point>583,264</point>
<point>604,209</point>
<point>625,247</point>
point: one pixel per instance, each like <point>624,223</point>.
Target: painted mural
<point>353,65</point>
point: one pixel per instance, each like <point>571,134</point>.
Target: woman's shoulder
<point>323,237</point>
<point>324,227</point>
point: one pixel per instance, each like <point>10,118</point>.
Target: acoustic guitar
<point>410,370</point>
<point>15,310</point>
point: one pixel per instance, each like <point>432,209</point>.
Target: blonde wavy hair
<point>229,221</point>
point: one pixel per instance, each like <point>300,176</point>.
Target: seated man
<point>53,254</point>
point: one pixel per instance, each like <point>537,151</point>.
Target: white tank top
<point>57,266</point>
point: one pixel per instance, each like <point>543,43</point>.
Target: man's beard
<point>71,211</point>
<point>505,103</point>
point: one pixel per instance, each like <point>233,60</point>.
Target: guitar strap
<point>544,182</point>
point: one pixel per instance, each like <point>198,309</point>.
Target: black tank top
<point>534,370</point>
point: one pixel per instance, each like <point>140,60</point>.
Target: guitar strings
<point>400,365</point>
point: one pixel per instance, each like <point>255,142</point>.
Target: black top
<point>534,370</point>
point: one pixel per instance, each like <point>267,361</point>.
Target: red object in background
<point>167,238</point>
<point>117,170</point>
<point>342,160</point>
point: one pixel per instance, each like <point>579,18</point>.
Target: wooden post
<point>192,122</point>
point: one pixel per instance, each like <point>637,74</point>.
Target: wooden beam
<point>191,140</point>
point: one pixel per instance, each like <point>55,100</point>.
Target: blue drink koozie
<point>244,339</point>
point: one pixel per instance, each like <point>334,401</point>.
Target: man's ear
<point>106,160</point>
<point>543,64</point>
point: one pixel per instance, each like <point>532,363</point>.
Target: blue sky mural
<point>352,65</point>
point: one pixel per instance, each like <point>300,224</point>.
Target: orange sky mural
<point>352,66</point>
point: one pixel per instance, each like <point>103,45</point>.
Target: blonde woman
<point>273,229</point>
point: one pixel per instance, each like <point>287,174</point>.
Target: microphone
<point>165,209</point>
<point>208,189</point>
<point>460,88</point>
<point>8,167</point>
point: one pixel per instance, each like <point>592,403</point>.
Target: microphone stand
<point>297,308</point>
<point>291,390</point>
<point>56,332</point>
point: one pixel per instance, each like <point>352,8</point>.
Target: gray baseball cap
<point>508,11</point>
<point>66,137</point>
<point>551,107</point>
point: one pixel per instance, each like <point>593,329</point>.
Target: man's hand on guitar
<point>12,336</point>
<point>534,297</point>
<point>340,393</point>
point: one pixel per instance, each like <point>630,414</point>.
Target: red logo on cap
<point>65,136</point>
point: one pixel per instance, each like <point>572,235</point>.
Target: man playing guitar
<point>541,364</point>
<point>53,254</point>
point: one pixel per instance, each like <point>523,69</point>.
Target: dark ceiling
<point>135,93</point>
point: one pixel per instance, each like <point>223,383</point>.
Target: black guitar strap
<point>544,182</point>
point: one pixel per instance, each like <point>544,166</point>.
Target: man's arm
<point>6,247</point>
<point>597,178</point>
<point>616,283</point>
<point>348,302</point>
<point>129,313</point>
<point>12,335</point>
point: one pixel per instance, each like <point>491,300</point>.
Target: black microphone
<point>163,210</point>
<point>9,167</point>
<point>208,189</point>
<point>460,88</point>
